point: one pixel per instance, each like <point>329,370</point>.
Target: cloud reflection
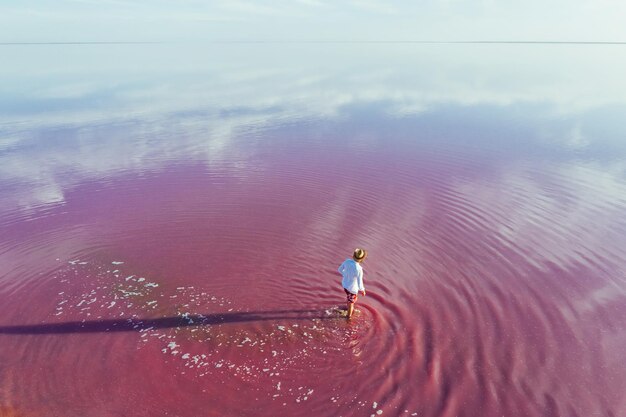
<point>95,111</point>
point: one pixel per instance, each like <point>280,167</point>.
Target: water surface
<point>172,218</point>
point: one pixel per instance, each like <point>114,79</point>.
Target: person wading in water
<point>352,281</point>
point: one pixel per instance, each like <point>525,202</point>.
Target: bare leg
<point>350,309</point>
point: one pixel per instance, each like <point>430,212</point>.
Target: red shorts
<point>350,297</point>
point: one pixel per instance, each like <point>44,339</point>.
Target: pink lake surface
<point>181,261</point>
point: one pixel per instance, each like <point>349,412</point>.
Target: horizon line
<point>528,42</point>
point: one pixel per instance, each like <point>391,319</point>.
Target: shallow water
<point>172,218</point>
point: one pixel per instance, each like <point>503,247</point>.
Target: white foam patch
<point>195,346</point>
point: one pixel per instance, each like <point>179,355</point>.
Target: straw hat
<point>359,254</point>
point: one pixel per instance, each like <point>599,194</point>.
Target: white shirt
<point>352,276</point>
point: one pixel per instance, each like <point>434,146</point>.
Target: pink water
<point>154,271</point>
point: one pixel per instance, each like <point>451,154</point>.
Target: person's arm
<point>341,267</point>
<point>360,281</point>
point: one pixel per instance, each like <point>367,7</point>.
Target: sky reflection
<point>97,110</point>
